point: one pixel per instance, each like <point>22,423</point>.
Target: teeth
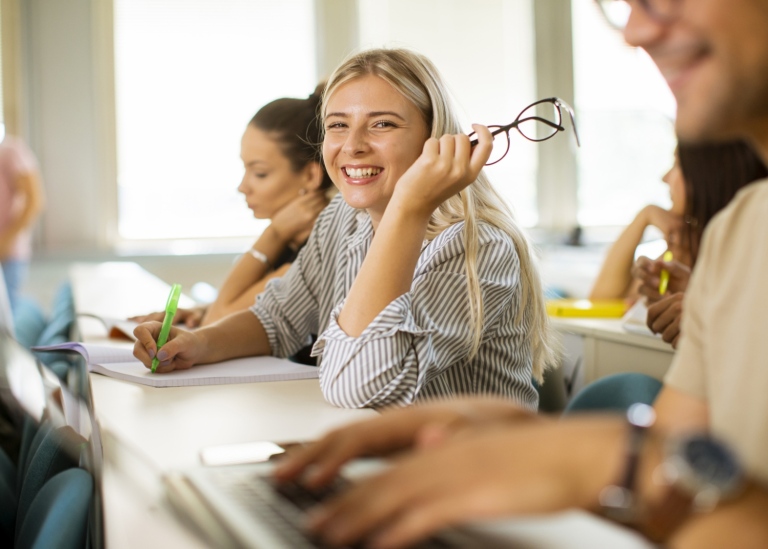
<point>360,173</point>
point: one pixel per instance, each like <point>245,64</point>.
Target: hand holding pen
<point>162,347</point>
<point>649,272</point>
<point>170,312</point>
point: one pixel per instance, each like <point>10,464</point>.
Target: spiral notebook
<point>118,361</point>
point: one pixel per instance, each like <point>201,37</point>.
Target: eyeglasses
<point>617,12</point>
<point>537,122</point>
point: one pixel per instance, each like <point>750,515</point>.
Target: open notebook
<point>118,361</point>
<point>117,328</point>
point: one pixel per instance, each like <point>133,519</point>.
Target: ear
<point>313,176</point>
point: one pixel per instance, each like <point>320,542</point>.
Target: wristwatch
<point>698,471</point>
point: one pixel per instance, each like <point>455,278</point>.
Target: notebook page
<point>239,370</point>
<point>118,352</point>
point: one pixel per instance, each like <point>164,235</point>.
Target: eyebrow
<point>373,114</point>
<point>254,162</point>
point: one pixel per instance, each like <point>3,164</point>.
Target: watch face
<point>711,463</point>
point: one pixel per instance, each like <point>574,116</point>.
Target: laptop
<point>241,506</point>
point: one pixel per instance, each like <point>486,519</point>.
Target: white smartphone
<point>247,452</point>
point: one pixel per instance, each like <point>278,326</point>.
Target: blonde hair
<point>414,76</point>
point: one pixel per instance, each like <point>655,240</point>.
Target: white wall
<point>63,119</point>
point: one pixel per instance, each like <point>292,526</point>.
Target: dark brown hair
<point>713,174</point>
<point>295,125</point>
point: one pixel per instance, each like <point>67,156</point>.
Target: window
<point>491,84</point>
<point>625,117</point>
<point>189,75</point>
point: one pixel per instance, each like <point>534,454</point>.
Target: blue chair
<point>59,327</point>
<point>62,318</point>
<point>58,516</point>
<point>29,321</point>
<point>615,393</point>
<point>8,502</point>
<point>52,451</point>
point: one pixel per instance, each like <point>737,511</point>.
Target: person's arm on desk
<point>237,335</point>
<point>502,465</point>
<point>188,317</point>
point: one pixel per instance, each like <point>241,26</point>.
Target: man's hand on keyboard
<point>395,430</point>
<point>498,471</point>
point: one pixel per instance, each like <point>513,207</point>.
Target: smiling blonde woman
<point>415,277</point>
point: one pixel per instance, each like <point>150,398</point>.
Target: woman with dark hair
<point>285,182</point>
<point>703,179</point>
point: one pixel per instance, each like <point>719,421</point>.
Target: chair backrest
<point>7,500</point>
<point>29,321</point>
<point>62,318</point>
<point>616,392</point>
<point>51,452</point>
<point>6,316</point>
<point>58,516</point>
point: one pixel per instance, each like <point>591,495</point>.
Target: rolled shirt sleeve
<point>426,333</point>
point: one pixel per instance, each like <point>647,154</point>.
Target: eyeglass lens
<point>539,121</point>
<point>500,145</point>
<point>617,12</point>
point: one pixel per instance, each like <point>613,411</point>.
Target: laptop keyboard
<point>284,505</point>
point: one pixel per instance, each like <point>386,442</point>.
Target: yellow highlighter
<point>664,277</point>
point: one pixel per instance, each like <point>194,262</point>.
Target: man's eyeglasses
<point>617,11</point>
<point>539,121</point>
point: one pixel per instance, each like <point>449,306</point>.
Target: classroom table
<point>598,347</point>
<point>147,432</point>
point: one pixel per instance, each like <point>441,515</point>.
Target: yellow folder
<point>596,308</point>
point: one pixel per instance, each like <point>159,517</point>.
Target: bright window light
<point>189,75</point>
<point>485,52</point>
<point>625,117</point>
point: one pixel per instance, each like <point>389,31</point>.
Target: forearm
<point>614,278</point>
<point>220,309</point>
<point>237,335</point>
<point>248,269</point>
<point>738,524</point>
<point>387,271</point>
<point>28,186</point>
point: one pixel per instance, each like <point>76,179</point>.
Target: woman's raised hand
<point>445,167</point>
<point>182,350</point>
<point>296,220</point>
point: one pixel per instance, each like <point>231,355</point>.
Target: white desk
<point>603,348</point>
<point>148,431</point>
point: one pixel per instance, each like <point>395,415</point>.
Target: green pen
<point>170,312</point>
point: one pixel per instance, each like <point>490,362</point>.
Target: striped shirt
<point>418,347</point>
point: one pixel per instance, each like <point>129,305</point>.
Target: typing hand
<point>180,352</point>
<point>664,317</point>
<point>191,318</point>
<point>486,473</point>
<point>648,271</point>
<point>395,429</point>
<point>445,167</point>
